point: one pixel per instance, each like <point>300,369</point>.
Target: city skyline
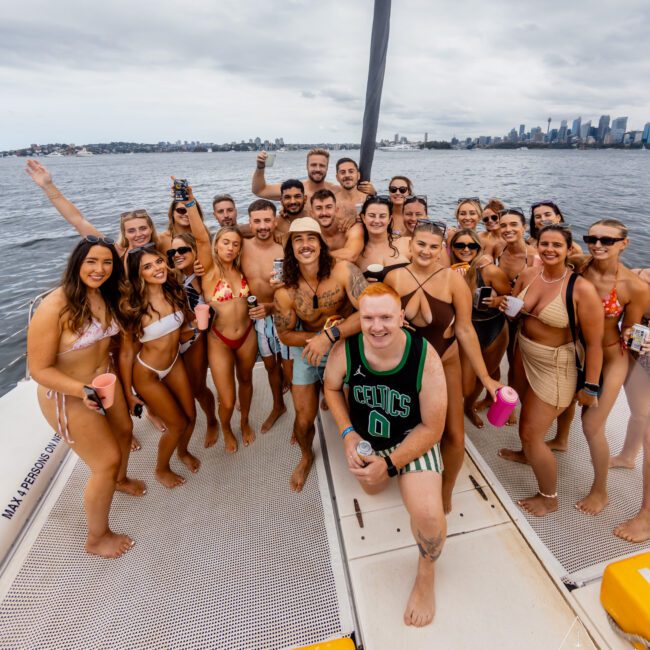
<point>79,72</point>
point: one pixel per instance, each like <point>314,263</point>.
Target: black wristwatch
<point>392,470</point>
<point>334,331</point>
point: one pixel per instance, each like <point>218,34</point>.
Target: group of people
<point>400,319</point>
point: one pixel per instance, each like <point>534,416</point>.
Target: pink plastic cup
<point>104,386</point>
<point>202,313</point>
<point>504,405</point>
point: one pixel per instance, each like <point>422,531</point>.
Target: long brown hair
<point>135,303</point>
<point>170,216</point>
<point>291,269</point>
<point>77,309</point>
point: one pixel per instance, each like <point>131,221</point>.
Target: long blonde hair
<point>224,230</point>
<point>470,276</point>
<point>136,214</point>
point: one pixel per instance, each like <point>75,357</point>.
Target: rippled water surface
<point>588,185</point>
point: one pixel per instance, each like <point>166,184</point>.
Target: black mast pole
<point>378,47</point>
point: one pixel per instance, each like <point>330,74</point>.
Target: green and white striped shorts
<point>431,461</point>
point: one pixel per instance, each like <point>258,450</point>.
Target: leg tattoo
<point>430,549</point>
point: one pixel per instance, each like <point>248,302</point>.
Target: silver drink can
<point>252,301</point>
<point>364,448</point>
<point>277,268</point>
<point>640,334</point>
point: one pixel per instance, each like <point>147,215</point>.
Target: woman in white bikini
<point>67,347</point>
<point>156,308</point>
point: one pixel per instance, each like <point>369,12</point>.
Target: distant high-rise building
<point>548,126</point>
<point>619,127</point>
<point>396,138</point>
<point>562,133</point>
<point>603,127</point>
<point>426,137</point>
<point>584,130</point>
<point>512,136</point>
<point>575,128</point>
<point>522,130</point>
<point>258,141</point>
<point>646,133</point>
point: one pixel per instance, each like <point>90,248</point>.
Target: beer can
<point>252,301</point>
<point>364,448</point>
<point>277,268</point>
<point>640,333</point>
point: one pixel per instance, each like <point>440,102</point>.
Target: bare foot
<point>110,545</point>
<point>247,434</point>
<point>323,405</point>
<point>474,418</point>
<point>273,416</point>
<point>131,486</point>
<point>538,505</point>
<point>621,462</point>
<point>554,445</point>
<point>635,530</point>
<point>301,472</point>
<point>516,456</point>
<point>512,420</point>
<point>482,405</point>
<point>190,461</point>
<point>158,423</point>
<point>294,440</point>
<point>135,444</point>
<point>169,479</point>
<point>593,503</point>
<point>211,434</point>
<point>230,442</point>
<point>421,605</point>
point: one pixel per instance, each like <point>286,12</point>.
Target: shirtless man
<point>346,245</point>
<point>293,201</point>
<point>404,430</point>
<point>316,288</point>
<point>257,264</point>
<point>351,192</point>
<point>317,163</point>
<point>225,212</point>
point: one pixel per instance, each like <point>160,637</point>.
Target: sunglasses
<point>470,198</point>
<point>592,240</point>
<point>181,210</point>
<point>134,213</point>
<point>488,218</point>
<point>416,198</point>
<point>93,239</point>
<point>430,222</point>
<point>402,190</point>
<point>181,250</point>
<point>145,247</point>
<point>460,246</point>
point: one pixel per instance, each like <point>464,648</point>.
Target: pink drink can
<point>504,405</point>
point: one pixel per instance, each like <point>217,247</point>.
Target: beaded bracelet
<point>593,393</point>
<point>346,431</point>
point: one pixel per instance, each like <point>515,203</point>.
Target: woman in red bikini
<point>232,342</point>
<point>624,299</point>
<point>68,346</point>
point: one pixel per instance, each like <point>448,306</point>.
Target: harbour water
<point>588,185</point>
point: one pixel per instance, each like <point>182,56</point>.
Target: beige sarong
<point>551,372</point>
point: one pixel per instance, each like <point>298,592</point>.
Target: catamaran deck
<point>233,559</point>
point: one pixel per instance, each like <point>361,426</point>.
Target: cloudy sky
<point>222,70</point>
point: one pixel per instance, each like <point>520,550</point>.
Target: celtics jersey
<point>385,405</point>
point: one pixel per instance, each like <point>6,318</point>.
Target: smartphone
<point>480,295</point>
<point>180,189</point>
<point>91,393</point>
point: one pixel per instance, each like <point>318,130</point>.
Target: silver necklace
<point>541,275</point>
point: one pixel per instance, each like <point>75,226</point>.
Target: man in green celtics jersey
<point>385,368</point>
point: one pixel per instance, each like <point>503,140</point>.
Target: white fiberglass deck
<point>232,559</point>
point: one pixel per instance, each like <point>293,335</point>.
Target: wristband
<point>592,388</point>
<point>327,334</point>
<point>588,391</point>
<point>191,204</point>
<point>346,431</point>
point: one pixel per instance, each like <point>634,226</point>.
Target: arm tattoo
<point>280,318</point>
<point>357,282</point>
<point>430,549</point>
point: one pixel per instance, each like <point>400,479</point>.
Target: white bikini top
<point>91,334</point>
<point>162,327</point>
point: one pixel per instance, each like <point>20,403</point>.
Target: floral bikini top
<point>611,305</point>
<point>92,333</point>
<point>223,291</point>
